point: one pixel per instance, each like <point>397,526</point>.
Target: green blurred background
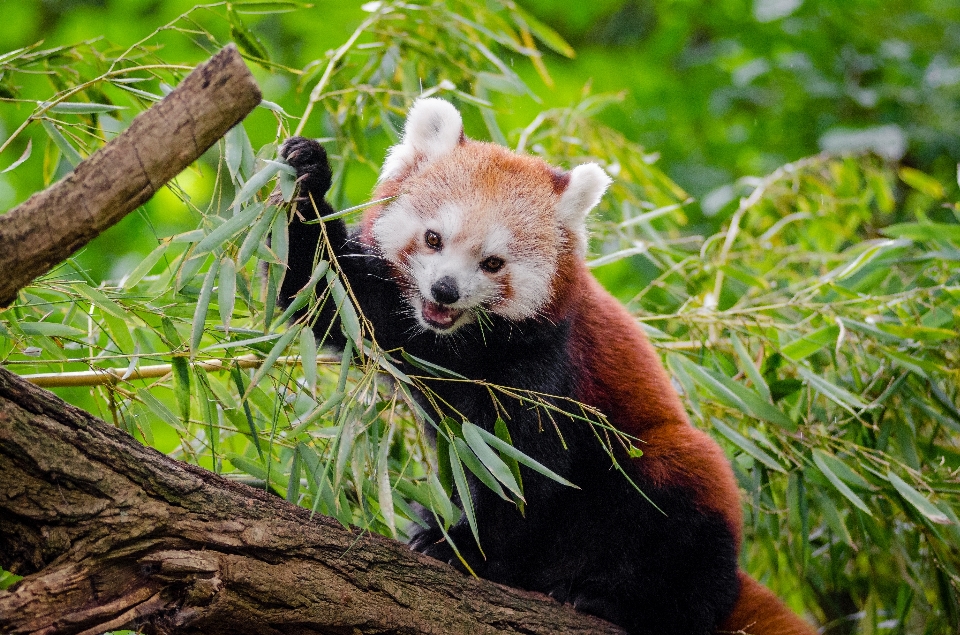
<point>719,90</point>
<point>718,94</point>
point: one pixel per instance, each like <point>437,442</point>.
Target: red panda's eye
<point>492,264</point>
<point>432,239</point>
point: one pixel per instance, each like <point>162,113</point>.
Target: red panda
<point>478,266</point>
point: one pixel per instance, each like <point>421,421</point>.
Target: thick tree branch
<point>125,173</point>
<point>114,534</point>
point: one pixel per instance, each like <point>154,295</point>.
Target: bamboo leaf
<point>918,500</point>
<point>157,408</point>
<point>181,386</point>
<point>227,230</point>
<point>144,266</point>
<point>308,359</point>
<point>748,446</point>
<point>51,329</point>
<point>226,291</point>
<point>256,182</point>
<point>273,356</point>
<point>520,457</point>
<point>840,395</point>
<point>490,460</point>
<point>69,152</point>
<point>463,491</point>
<point>79,108</point>
<point>237,375</point>
<point>23,158</point>
<point>203,304</point>
<point>818,459</point>
<point>293,482</point>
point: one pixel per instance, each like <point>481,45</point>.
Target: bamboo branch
<point>111,376</point>
<point>126,172</point>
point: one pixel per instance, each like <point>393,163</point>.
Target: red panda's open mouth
<point>440,316</point>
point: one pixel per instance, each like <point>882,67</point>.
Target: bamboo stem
<point>112,376</point>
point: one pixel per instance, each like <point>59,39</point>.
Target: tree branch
<point>113,535</point>
<point>125,173</point>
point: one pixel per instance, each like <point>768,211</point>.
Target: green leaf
<point>157,408</point>
<point>181,386</point>
<point>69,152</point>
<point>918,500</point>
<point>490,460</point>
<point>79,108</point>
<point>748,446</point>
<point>226,230</point>
<point>227,291</point>
<point>922,182</point>
<point>304,295</point>
<point>736,395</point>
<point>254,238</point>
<point>348,315</point>
<point>237,375</point>
<point>512,452</point>
<point>925,231</point>
<point>308,358</point>
<point>845,472</point>
<point>746,363</point>
<point>144,266</point>
<point>102,302</point>
<point>256,182</point>
<point>293,481</point>
<point>273,356</point>
<point>23,158</point>
<point>545,34</point>
<point>469,458</point>
<point>811,343</point>
<point>503,433</point>
<point>203,304</point>
<point>833,392</point>
<point>51,329</point>
<point>433,369</point>
<point>818,459</point>
<point>463,491</point>
<point>258,8</point>
<point>444,471</point>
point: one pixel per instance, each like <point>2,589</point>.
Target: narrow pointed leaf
<point>839,484</point>
<point>918,500</point>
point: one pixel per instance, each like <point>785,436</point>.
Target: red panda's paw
<point>309,159</point>
<point>425,538</point>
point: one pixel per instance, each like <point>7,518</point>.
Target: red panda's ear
<point>585,188</point>
<point>433,129</point>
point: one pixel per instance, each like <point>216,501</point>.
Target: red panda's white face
<point>476,228</point>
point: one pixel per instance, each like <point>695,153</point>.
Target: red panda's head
<point>474,226</point>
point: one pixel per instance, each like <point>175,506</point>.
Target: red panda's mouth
<point>440,316</point>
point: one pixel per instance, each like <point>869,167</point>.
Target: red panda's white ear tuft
<point>585,188</point>
<point>433,128</point>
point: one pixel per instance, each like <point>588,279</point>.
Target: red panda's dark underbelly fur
<point>661,560</point>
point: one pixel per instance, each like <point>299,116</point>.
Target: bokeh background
<point>783,223</point>
<point>718,90</point>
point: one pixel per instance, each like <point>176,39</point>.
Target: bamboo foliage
<point>815,335</point>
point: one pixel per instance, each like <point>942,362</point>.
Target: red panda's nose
<point>445,290</point>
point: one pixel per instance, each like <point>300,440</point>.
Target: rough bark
<point>113,534</point>
<point>125,173</point>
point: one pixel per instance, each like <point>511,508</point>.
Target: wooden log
<point>125,173</point>
<point>111,534</point>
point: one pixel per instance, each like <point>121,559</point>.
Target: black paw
<point>309,159</point>
<point>425,538</point>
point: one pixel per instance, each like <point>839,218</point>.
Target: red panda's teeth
<point>440,316</point>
